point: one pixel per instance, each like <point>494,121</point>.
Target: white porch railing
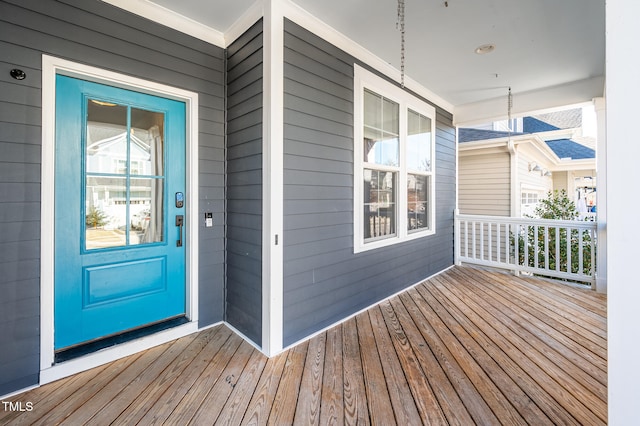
<point>563,249</point>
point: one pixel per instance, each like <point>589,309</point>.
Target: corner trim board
<point>273,178</point>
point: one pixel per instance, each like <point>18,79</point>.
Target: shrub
<point>95,217</point>
<point>556,206</point>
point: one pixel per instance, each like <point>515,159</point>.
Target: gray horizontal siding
<point>244,184</point>
<point>324,281</point>
<point>94,33</point>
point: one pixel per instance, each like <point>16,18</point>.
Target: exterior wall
<point>100,35</point>
<point>484,183</point>
<point>244,183</point>
<point>531,181</point>
<point>324,281</point>
<point>560,180</point>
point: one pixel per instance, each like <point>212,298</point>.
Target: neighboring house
<point>504,173</point>
<point>278,230</point>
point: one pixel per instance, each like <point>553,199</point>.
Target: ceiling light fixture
<point>485,48</point>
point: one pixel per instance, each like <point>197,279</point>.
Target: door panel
<point>119,154</point>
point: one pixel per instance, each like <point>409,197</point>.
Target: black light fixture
<point>18,74</point>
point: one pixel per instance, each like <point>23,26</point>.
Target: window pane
<point>379,203</point>
<point>381,128</point>
<point>380,148</point>
<point>390,117</point>
<point>145,211</point>
<point>417,202</point>
<point>105,212</point>
<point>147,131</point>
<point>106,137</point>
<point>372,110</point>
<point>419,142</point>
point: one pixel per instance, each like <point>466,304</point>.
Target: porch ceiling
<point>550,53</point>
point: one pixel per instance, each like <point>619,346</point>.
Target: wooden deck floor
<point>466,347</point>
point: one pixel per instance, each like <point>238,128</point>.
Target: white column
<point>601,194</point>
<point>623,205</point>
<point>272,176</point>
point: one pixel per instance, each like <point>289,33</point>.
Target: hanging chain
<point>400,26</point>
<point>509,106</point>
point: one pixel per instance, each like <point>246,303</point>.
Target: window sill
<point>360,246</point>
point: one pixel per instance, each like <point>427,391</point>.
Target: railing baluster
<point>466,239</point>
<point>557,254</point>
<point>481,240</point>
<point>535,246</point>
<point>473,235</point>
<point>592,272</point>
<point>546,247</point>
<point>580,254</point>
<point>490,244</point>
<point>525,246</point>
<point>507,246</point>
<point>516,239</point>
<point>569,268</point>
<point>498,257</point>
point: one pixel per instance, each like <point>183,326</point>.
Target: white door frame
<point>50,67</point>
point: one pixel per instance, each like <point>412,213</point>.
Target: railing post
<point>456,237</point>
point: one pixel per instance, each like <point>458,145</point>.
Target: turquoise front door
<point>119,211</point>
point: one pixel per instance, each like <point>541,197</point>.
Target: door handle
<point>179,224</point>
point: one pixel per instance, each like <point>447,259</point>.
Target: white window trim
<point>50,67</point>
<point>366,79</point>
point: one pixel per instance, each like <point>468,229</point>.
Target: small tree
<point>95,217</point>
<point>557,206</point>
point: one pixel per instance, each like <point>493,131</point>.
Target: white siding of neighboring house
<point>531,181</point>
<point>484,187</point>
<point>560,181</point>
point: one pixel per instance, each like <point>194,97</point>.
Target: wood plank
<point>49,397</point>
<point>580,356</point>
<point>534,363</point>
<point>404,406</point>
<point>236,406</point>
<point>483,400</point>
<point>378,398</point>
<point>262,400</point>
<point>586,386</point>
<point>213,404</point>
<point>508,387</point>
<point>158,403</point>
<point>426,402</point>
<point>355,402</point>
<point>176,357</point>
<point>585,301</point>
<point>194,397</point>
<point>583,295</point>
<point>593,352</point>
<point>310,394</point>
<point>571,312</point>
<point>284,403</point>
<point>567,299</point>
<point>111,391</point>
<point>594,343</point>
<point>467,346</point>
<point>548,404</point>
<point>332,404</point>
<point>452,406</point>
